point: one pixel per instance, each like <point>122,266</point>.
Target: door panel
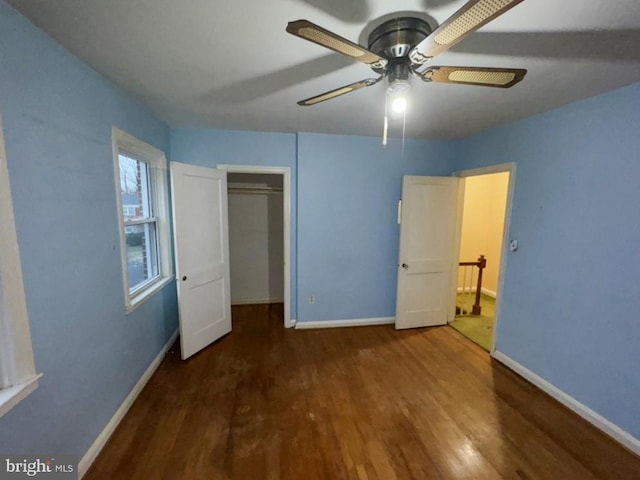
<point>427,250</point>
<point>202,251</point>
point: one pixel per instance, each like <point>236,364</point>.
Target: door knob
<point>405,266</point>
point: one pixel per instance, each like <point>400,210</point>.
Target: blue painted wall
<point>348,237</point>
<point>209,148</point>
<point>571,301</point>
<point>57,116</point>
<point>344,197</point>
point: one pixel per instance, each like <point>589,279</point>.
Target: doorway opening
<point>486,195</point>
<point>258,207</point>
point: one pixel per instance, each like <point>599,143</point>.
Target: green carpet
<point>477,328</point>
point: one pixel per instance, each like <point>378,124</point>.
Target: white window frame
<point>155,158</point>
<point>18,377</point>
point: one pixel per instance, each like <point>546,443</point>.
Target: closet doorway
<point>259,206</point>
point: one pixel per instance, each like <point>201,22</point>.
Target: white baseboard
<point>486,291</point>
<point>489,293</point>
<point>597,420</point>
<point>256,301</point>
<point>352,322</point>
<point>99,443</point>
<point>291,324</point>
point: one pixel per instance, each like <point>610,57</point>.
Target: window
<point>141,189</point>
<point>18,376</point>
<point>140,224</point>
<point>128,210</point>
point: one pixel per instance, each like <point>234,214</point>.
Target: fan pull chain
<point>384,133</point>
<point>385,128</point>
<point>404,130</point>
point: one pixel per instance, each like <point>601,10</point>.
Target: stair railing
<point>468,270</point>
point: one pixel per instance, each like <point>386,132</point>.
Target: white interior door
<point>427,250</point>
<point>201,239</point>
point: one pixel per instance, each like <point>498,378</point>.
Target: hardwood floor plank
<point>368,403</point>
<point>482,415</point>
<point>562,426</point>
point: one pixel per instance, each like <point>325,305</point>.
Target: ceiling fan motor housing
<point>394,38</point>
<point>398,70</point>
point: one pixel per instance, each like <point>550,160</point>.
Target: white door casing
<point>286,184</point>
<point>427,250</point>
<point>488,170</point>
<point>201,238</point>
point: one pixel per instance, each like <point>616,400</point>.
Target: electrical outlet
<point>312,299</point>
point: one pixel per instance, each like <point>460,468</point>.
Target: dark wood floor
<point>351,403</point>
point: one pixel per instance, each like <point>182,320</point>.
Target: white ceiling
<point>230,64</point>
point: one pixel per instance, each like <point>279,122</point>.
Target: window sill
<point>142,297</point>
<point>11,396</point>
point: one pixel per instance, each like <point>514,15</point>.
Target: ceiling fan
<point>402,46</point>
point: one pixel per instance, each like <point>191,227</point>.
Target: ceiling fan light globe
<point>398,86</point>
<point>399,105</point>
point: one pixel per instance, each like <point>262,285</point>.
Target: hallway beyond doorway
<point>478,328</point>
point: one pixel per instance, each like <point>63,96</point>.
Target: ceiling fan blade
<point>316,34</point>
<point>473,15</point>
<point>339,91</point>
<point>481,76</point>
